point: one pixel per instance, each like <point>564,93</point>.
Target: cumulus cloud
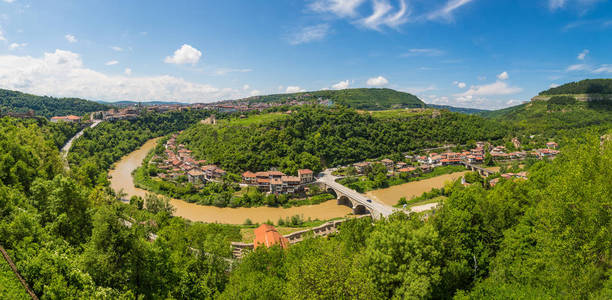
<point>496,88</point>
<point>111,63</point>
<point>15,46</point>
<point>117,48</point>
<point>309,34</point>
<point>460,85</point>
<point>294,89</point>
<point>341,85</point>
<point>503,76</point>
<point>70,38</point>
<point>62,73</point>
<point>377,81</point>
<point>583,54</point>
<point>184,55</point>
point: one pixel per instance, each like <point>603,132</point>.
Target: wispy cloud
<point>582,55</point>
<point>309,34</point>
<point>294,89</point>
<point>496,88</point>
<point>384,14</point>
<point>15,46</point>
<point>446,12</point>
<point>224,71</point>
<point>423,52</point>
<point>577,67</point>
<point>603,69</point>
<point>341,8</point>
<point>117,48</point>
<point>111,63</point>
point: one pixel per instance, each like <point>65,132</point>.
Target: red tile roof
<point>304,171</point>
<point>266,235</point>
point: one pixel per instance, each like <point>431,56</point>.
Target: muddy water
<point>121,179</point>
<point>392,195</point>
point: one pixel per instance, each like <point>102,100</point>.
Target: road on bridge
<point>330,181</point>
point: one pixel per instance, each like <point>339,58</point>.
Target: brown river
<point>121,179</point>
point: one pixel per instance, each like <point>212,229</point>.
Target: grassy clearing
<point>427,201</point>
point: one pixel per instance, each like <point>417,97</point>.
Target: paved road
<point>371,205</point>
<point>68,145</point>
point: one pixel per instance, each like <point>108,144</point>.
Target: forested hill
<point>314,137</point>
<point>553,113</point>
<point>587,86</point>
<point>13,101</point>
<point>363,98</point>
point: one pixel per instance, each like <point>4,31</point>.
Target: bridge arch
<point>360,209</point>
<point>344,200</point>
<point>332,192</point>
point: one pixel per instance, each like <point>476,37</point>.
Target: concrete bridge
<point>351,198</point>
<point>482,171</point>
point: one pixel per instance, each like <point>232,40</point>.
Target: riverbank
<point>392,195</point>
<point>121,179</point>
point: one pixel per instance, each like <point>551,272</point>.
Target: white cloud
<point>223,71</point>
<point>246,87</point>
<point>460,85</point>
<point>70,38</point>
<point>111,63</point>
<point>294,89</point>
<point>255,93</point>
<point>341,85</point>
<point>419,90</point>
<point>603,69</point>
<point>341,8</point>
<point>577,67</point>
<point>446,11</point>
<point>583,54</point>
<point>184,55</point>
<point>424,52</point>
<point>377,81</point>
<point>503,76</point>
<point>9,1</point>
<point>128,71</point>
<point>383,14</point>
<point>555,4</point>
<point>15,46</point>
<point>553,85</point>
<point>513,102</point>
<point>309,34</point>
<point>2,38</point>
<point>62,73</point>
<point>117,48</point>
<point>496,88</point>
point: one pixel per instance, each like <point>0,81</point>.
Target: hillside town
<point>276,182</point>
<point>179,162</point>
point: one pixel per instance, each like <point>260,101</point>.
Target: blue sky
<point>469,53</point>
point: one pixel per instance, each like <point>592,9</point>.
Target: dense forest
<point>544,238</point>
<point>13,101</point>
<point>368,99</point>
<point>315,137</point>
<point>587,86</point>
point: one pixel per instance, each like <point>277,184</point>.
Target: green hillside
<point>370,99</point>
<point>13,101</point>
<point>587,86</point>
<point>562,111</point>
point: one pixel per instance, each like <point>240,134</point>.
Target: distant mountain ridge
<point>469,111</point>
<point>18,102</point>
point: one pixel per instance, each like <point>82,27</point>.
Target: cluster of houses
<point>178,162</point>
<point>253,103</point>
<point>276,182</point>
<point>428,162</point>
<point>520,175</point>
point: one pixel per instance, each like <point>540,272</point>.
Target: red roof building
<point>266,235</point>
